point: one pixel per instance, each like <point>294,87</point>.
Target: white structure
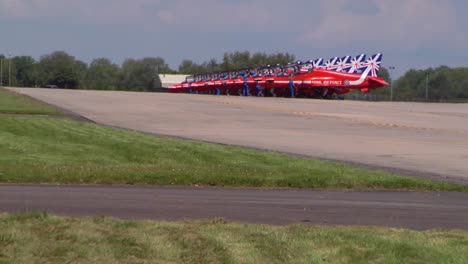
<point>171,79</point>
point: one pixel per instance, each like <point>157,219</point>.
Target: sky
<point>410,33</point>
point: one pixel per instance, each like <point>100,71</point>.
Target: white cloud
<point>398,24</point>
<point>16,9</point>
<point>86,11</point>
<point>259,15</point>
<point>182,14</point>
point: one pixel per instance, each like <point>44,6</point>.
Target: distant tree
<point>140,75</point>
<point>239,60</point>
<point>190,67</point>
<point>462,92</point>
<point>158,63</point>
<point>3,76</point>
<point>259,59</point>
<point>439,85</point>
<point>281,58</point>
<point>102,74</point>
<point>227,63</point>
<point>213,65</point>
<point>62,70</point>
<point>409,86</point>
<point>2,61</point>
<point>442,83</point>
<point>26,71</point>
<point>9,71</point>
<point>187,67</point>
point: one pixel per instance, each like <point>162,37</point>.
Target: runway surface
<point>425,139</point>
<point>394,209</point>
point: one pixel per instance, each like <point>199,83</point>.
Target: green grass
<point>51,150</point>
<point>12,103</point>
<point>41,238</point>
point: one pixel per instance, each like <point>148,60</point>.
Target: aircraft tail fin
<point>318,63</point>
<point>311,64</point>
<point>372,65</point>
<point>357,64</point>
<point>343,64</point>
<point>331,64</point>
<point>371,68</point>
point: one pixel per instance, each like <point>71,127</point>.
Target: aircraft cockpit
<point>190,79</point>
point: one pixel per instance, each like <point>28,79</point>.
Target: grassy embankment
<point>53,150</point>
<point>39,238</point>
<point>11,103</point>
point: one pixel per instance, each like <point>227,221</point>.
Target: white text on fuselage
<point>327,82</point>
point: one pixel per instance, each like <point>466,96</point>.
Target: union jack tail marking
<point>357,64</point>
<point>331,64</point>
<point>343,64</point>
<point>374,64</point>
<point>318,63</point>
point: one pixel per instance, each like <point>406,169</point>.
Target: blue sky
<point>410,33</point>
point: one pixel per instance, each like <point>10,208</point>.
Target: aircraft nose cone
<point>378,82</point>
<point>384,83</point>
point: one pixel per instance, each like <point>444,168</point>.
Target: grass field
<point>40,238</point>
<point>11,103</point>
<point>51,150</point>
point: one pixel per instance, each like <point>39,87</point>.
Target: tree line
<point>65,71</point>
<point>236,60</point>
<point>441,84</point>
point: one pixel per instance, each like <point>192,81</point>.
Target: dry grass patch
<point>40,238</point>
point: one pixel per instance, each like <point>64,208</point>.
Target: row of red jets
<point>290,80</point>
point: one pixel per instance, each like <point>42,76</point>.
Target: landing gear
<point>328,94</point>
<point>272,92</point>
